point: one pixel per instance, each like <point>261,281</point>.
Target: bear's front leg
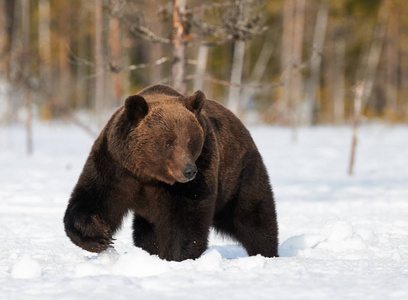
<point>178,243</point>
<point>87,231</point>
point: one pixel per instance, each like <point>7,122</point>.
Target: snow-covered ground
<point>340,237</point>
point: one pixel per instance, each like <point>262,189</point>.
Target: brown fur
<point>181,165</point>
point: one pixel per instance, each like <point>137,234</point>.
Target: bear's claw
<point>94,236</point>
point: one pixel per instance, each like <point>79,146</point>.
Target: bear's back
<point>159,93</point>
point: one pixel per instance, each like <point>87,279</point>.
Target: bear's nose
<point>190,171</point>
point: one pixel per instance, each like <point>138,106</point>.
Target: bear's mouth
<point>184,179</point>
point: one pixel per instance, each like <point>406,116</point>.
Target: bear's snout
<point>190,171</point>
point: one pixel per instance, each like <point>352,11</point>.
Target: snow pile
<point>26,267</point>
<point>337,237</point>
<point>340,237</point>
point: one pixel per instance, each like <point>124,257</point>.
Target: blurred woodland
<point>288,62</point>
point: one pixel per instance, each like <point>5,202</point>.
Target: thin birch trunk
<point>44,41</point>
<point>259,70</point>
<point>201,66</point>
<point>404,78</point>
<point>236,75</point>
<point>99,78</point>
<point>286,58</point>
<point>156,49</point>
<point>356,121</point>
<point>339,81</point>
<point>3,34</point>
<point>375,52</point>
<point>65,91</point>
<point>115,47</point>
<point>312,101</point>
<point>3,51</point>
<point>392,64</point>
<point>297,82</point>
<point>178,68</point>
<point>83,91</point>
<point>26,73</point>
<point>14,63</point>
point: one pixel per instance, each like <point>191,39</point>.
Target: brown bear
<point>181,165</point>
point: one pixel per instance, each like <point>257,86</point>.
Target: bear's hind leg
<point>144,235</point>
<point>250,215</point>
<point>253,225</point>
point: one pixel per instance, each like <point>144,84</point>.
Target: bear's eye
<point>169,145</point>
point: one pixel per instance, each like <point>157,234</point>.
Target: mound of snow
<point>336,237</point>
<point>138,263</point>
<point>26,267</point>
<point>209,261</point>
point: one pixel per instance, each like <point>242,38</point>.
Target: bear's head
<point>159,139</point>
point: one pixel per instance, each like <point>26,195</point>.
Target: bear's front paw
<point>92,234</point>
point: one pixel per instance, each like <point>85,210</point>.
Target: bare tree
<point>233,102</point>
<point>286,58</point>
<point>99,63</point>
<point>292,46</point>
<point>14,51</point>
<point>312,101</point>
<point>359,90</point>
<point>259,69</point>
<point>374,54</point>
<point>3,34</point>
<point>404,76</point>
<point>297,80</point>
<point>201,66</point>
<point>178,64</point>
<point>391,49</point>
<point>44,41</point>
<point>338,76</point>
<point>116,53</point>
<point>26,73</point>
<point>242,22</point>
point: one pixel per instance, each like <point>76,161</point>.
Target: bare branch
<point>140,66</point>
<point>205,7</point>
<point>228,83</point>
<point>138,27</point>
<point>241,21</point>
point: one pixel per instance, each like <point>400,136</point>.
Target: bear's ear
<point>195,102</point>
<point>136,108</point>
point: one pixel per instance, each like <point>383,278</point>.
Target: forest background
<point>287,62</point>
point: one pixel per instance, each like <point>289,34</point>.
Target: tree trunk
<point>3,36</point>
<point>375,52</point>
<point>82,86</point>
<point>99,71</point>
<point>236,75</point>
<point>312,102</point>
<point>44,41</point>
<point>259,69</point>
<point>116,51</point>
<point>65,91</point>
<point>156,49</point>
<point>286,58</point>
<point>26,73</point>
<point>201,66</point>
<point>404,75</point>
<point>339,81</point>
<point>392,63</point>
<point>15,47</point>
<point>297,83</point>
<point>356,121</point>
<point>178,68</point>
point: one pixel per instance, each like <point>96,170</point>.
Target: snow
<point>341,237</point>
